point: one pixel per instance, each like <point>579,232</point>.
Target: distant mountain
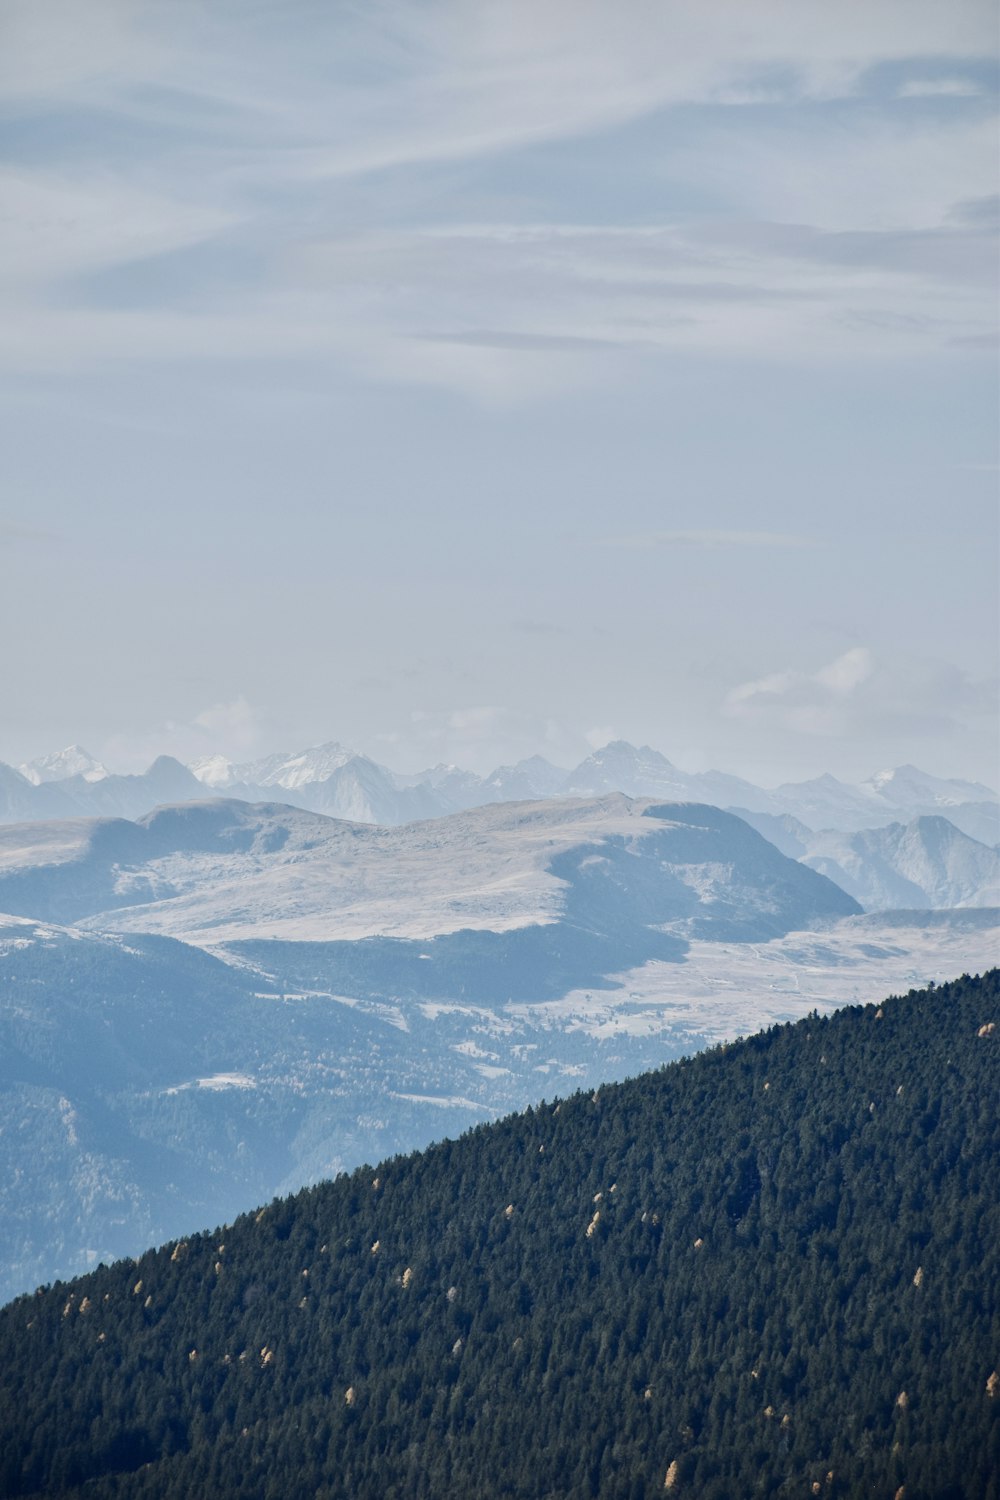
<point>912,790</point>
<point>786,833</point>
<point>332,779</point>
<point>620,767</point>
<point>85,796</point>
<point>767,1270</point>
<point>528,779</point>
<point>926,863</point>
<point>364,792</point>
<point>224,870</point>
<point>446,788</point>
<point>290,770</point>
<point>825,802</point>
<point>17,797</point>
<point>980,820</point>
<point>215,771</point>
<point>129,796</point>
<point>73,761</point>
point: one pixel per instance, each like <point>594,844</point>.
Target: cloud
<point>235,724</point>
<point>547,343</point>
<point>599,736</point>
<point>228,728</point>
<point>939,88</point>
<point>858,696</point>
<point>569,304</point>
<point>207,126</point>
<point>55,226</point>
<point>356,89</point>
<point>476,723</point>
<point>481,737</point>
<point>806,702</point>
<point>711,540</point>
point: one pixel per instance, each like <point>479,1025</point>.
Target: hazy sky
<point>465,380</point>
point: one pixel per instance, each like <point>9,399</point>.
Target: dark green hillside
<point>768,1270</point>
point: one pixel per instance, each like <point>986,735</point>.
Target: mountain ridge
<point>767,1269</point>
<point>334,779</point>
<point>222,869</point>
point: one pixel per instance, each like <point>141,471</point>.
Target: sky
<point>468,381</point>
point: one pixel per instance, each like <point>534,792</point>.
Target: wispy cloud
<point>483,736</point>
<point>807,702</point>
<point>940,88</point>
<point>56,226</point>
<point>856,694</point>
<point>710,539</point>
<point>204,125</point>
<point>230,728</point>
<point>236,724</point>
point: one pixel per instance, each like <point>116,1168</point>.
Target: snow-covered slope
<point>534,777</point>
<point>620,767</point>
<point>365,792</point>
<point>73,761</point>
<point>216,871</point>
<point>912,790</point>
<point>825,802</point>
<point>925,863</point>
<point>296,769</point>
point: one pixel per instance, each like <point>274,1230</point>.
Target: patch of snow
<point>214,771</point>
<point>450,1101</point>
<point>216,1082</point>
<point>725,990</point>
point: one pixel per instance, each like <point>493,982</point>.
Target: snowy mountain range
<point>926,863</point>
<point>63,764</point>
<point>339,782</point>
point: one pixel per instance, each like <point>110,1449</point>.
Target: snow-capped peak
<point>286,768</point>
<point>622,767</point>
<point>213,770</point>
<point>73,761</point>
<point>908,787</point>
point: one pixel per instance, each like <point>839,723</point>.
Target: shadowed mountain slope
<point>768,1270</point>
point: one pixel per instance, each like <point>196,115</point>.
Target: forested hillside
<point>768,1270</point>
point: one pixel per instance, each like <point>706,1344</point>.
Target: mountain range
<point>926,863</point>
<point>883,841</point>
<point>341,783</point>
